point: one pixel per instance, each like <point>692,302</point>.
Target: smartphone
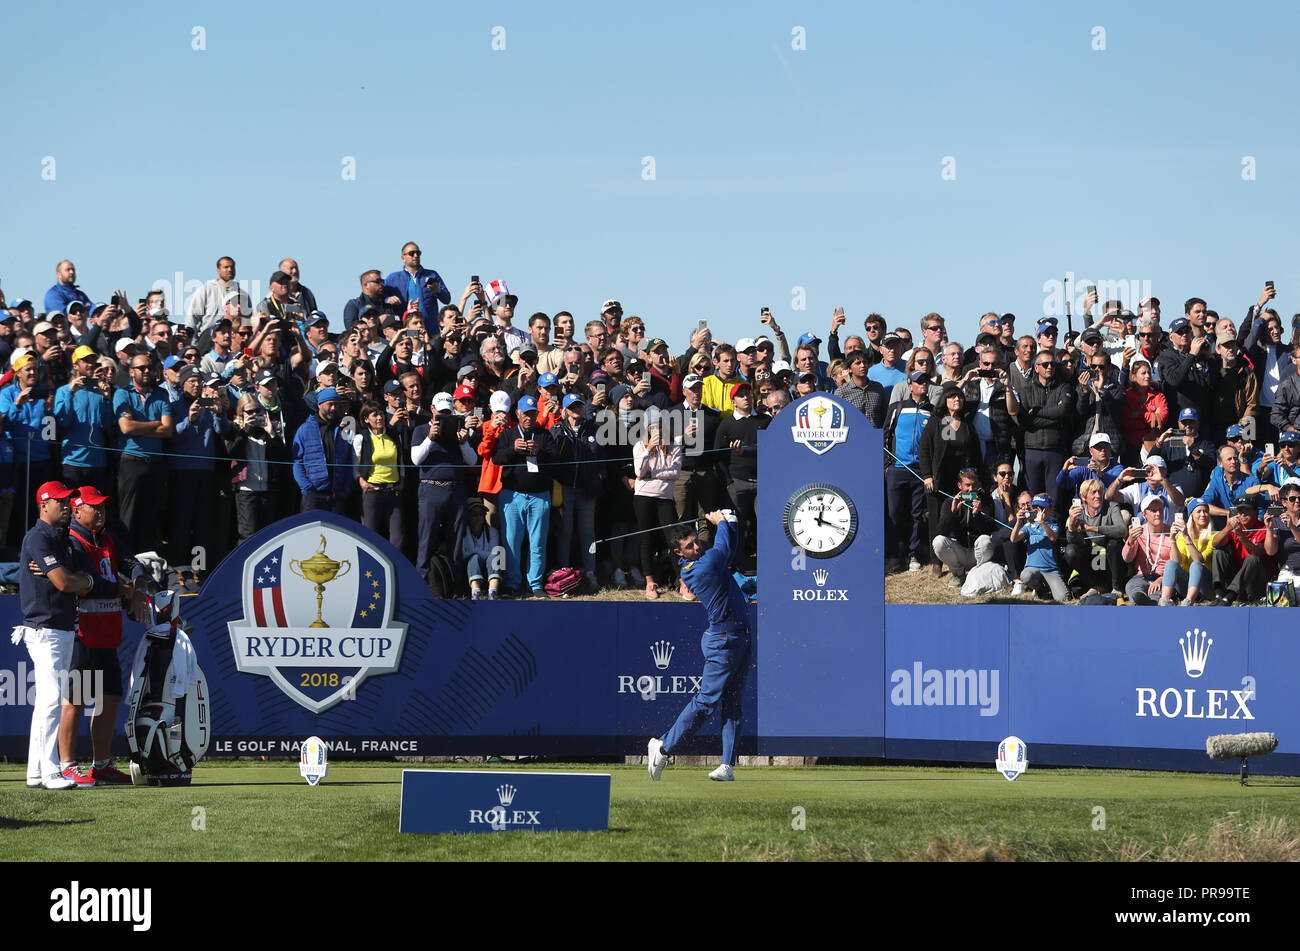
<point>702,325</point>
<point>1268,283</point>
<point>970,496</point>
<point>473,278</point>
<point>763,311</point>
<point>1270,449</point>
<point>207,403</point>
<point>988,374</point>
<point>645,377</point>
<point>413,333</point>
<point>1081,461</point>
<point>600,387</point>
<point>248,352</point>
<point>1092,288</point>
<point>1274,510</point>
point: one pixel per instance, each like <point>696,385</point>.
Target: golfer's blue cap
<point>573,398</point>
<point>547,379</point>
<point>1189,413</point>
<point>526,404</point>
<point>1042,501</point>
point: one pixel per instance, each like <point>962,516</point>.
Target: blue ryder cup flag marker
<point>490,800</point>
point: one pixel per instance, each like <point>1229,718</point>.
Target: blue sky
<point>775,168</point>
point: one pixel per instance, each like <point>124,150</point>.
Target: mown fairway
<point>265,812</point>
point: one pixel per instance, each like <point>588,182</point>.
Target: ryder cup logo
<point>819,424</point>
<point>318,615</point>
<point>1188,702</point>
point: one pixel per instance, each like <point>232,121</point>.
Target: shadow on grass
<point>7,823</point>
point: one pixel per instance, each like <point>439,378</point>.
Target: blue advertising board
<point>317,626</point>
<point>469,800</point>
<point>821,582</point>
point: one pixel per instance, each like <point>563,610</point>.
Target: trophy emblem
<point>320,570</point>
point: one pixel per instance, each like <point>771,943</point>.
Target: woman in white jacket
<point>657,467</point>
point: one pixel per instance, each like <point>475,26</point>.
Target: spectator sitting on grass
<point>1037,526</point>
<point>478,551</point>
<point>1150,546</point>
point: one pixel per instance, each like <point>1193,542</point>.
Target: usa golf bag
<point>168,720</point>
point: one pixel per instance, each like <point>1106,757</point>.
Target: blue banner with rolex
<point>469,800</point>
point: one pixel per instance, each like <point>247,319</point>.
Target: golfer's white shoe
<point>723,774</point>
<point>656,759</point>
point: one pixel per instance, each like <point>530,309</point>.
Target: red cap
<point>89,495</point>
<point>463,392</point>
<point>736,387</point>
<point>52,490</point>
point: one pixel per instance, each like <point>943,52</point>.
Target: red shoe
<point>78,777</point>
<point>110,775</point>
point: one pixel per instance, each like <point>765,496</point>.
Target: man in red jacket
<point>99,635</point>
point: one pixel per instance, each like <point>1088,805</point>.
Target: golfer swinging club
<point>725,644</point>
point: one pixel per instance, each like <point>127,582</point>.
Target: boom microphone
<point>1236,745</point>
<point>1243,745</point>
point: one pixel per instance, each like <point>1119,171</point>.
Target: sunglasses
<point>1146,335</point>
<point>1048,365</point>
<point>413,254</point>
<point>1292,498</point>
<point>1004,475</point>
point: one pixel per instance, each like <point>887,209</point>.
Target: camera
<point>1274,510</point>
<point>989,374</point>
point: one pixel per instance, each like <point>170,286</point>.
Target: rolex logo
<point>662,652</point>
<point>506,794</point>
<point>820,576</point>
<point>1196,649</point>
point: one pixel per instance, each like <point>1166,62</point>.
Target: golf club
<point>592,550</point>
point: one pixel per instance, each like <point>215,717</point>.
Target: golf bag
<point>168,720</point>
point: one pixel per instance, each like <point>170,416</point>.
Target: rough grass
<point>265,812</point>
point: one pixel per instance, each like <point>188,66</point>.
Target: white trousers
<point>51,653</point>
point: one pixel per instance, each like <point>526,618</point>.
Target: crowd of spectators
<point>1160,464</point>
<point>1128,461</point>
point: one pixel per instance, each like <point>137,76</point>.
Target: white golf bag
<point>168,720</point>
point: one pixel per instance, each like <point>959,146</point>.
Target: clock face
<point>821,519</point>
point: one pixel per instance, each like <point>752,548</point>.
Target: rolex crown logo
<point>506,794</point>
<point>820,576</point>
<point>662,652</point>
<point>1196,649</point>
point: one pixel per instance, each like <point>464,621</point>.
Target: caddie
<point>99,635</point>
<point>49,602</point>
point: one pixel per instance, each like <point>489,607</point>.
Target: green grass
<point>265,812</point>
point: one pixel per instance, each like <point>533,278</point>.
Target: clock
<point>821,519</point>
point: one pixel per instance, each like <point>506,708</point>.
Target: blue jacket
<point>710,579</point>
<point>60,295</point>
<point>311,471</point>
<point>25,425</point>
<point>1218,493</point>
<point>194,445</point>
<point>86,424</point>
<point>467,545</point>
<point>401,282</point>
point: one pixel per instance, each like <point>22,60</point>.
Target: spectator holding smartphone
<point>257,453</point>
<point>1189,568</point>
<point>1096,530</point>
<point>657,467</point>
<point>1149,546</point>
<point>1037,527</point>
